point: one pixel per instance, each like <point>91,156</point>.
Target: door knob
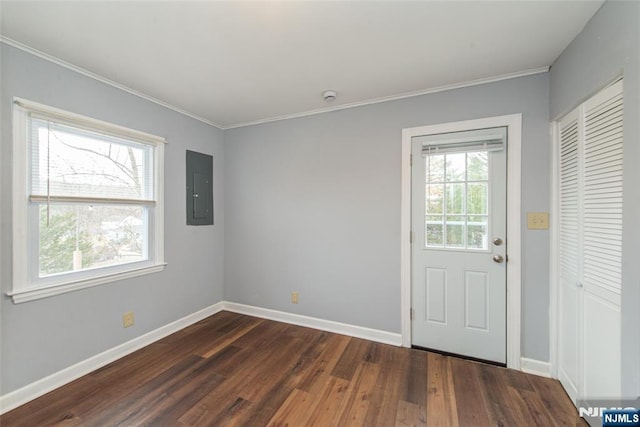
<point>497,241</point>
<point>498,258</point>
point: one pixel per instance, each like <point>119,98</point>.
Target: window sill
<point>24,295</point>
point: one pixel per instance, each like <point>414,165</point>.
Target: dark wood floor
<point>235,370</point>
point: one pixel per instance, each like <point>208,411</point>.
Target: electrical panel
<point>199,188</point>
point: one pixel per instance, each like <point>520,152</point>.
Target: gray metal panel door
<point>199,202</point>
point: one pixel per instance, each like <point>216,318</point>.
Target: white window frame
<point>22,289</point>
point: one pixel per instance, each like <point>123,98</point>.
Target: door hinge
<point>412,314</point>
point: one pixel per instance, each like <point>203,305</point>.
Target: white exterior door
<point>458,206</point>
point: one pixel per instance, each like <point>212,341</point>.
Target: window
<point>87,202</point>
<point>456,208</point>
<point>458,187</point>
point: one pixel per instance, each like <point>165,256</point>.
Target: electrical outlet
<point>294,297</point>
<point>127,319</point>
<point>538,220</point>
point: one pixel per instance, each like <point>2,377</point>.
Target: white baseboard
<point>38,388</point>
<point>376,335</point>
<point>535,367</point>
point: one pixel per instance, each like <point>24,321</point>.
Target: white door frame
<point>513,122</point>
<point>554,250</point>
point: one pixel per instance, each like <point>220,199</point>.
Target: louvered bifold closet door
<point>569,246</point>
<point>603,194</point>
<point>602,230</point>
<point>569,200</point>
<point>590,233</point>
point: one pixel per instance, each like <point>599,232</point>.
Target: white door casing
<point>513,125</point>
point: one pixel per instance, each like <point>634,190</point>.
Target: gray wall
<point>45,336</point>
<point>313,205</point>
<point>607,47</point>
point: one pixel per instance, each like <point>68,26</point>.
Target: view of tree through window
<point>456,202</point>
<point>88,185</point>
<point>80,237</point>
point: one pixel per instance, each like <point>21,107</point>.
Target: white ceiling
<point>238,62</point>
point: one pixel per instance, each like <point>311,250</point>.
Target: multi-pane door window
<point>457,200</point>
<point>91,193</point>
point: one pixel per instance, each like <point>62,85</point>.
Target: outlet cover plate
<point>128,319</point>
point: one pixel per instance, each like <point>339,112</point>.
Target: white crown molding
<point>87,73</point>
<point>62,63</point>
<point>395,97</point>
<point>38,388</point>
<point>376,335</point>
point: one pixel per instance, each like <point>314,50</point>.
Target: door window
<point>457,200</point>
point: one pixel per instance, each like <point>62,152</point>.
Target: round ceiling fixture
<point>329,95</point>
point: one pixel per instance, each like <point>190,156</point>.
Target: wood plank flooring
<point>236,370</point>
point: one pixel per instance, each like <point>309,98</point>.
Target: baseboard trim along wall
<point>315,323</point>
<point>38,388</point>
<point>535,367</point>
<point>45,385</point>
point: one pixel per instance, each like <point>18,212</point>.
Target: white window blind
<point>69,163</point>
<point>493,139</point>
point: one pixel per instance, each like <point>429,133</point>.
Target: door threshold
<point>460,356</point>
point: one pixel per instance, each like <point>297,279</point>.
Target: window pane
<point>456,210</point>
<point>455,236</point>
<point>477,166</point>
<point>477,219</point>
<point>435,169</point>
<point>79,237</point>
<point>477,236</point>
<point>455,166</point>
<point>477,198</point>
<point>434,235</point>
<point>67,161</point>
<point>455,198</point>
<point>455,231</point>
<point>434,199</point>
